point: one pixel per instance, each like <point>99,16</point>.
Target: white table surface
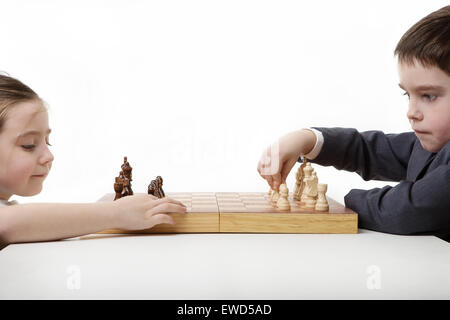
<point>229,266</point>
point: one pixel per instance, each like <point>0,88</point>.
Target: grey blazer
<point>419,204</point>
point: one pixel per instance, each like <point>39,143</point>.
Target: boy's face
<point>428,89</point>
<point>25,159</point>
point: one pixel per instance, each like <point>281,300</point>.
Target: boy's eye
<point>406,94</point>
<point>429,97</point>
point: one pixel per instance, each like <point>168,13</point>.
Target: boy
<point>420,160</point>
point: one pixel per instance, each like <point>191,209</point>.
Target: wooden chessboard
<point>251,212</point>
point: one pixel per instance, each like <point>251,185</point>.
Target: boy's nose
<point>414,112</point>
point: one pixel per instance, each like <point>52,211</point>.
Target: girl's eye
<point>406,94</point>
<point>48,143</point>
<point>29,146</point>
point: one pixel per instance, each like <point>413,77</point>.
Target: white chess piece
<point>283,202</point>
<point>322,203</point>
<point>275,196</point>
<point>299,185</point>
<point>307,176</point>
<point>311,192</point>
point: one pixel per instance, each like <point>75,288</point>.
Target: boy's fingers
<point>287,167</point>
<point>269,181</point>
<point>276,181</point>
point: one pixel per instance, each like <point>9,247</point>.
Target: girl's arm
<point>53,221</point>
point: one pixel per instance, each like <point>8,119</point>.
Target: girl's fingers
<point>165,207</point>
<point>161,218</point>
<point>157,202</point>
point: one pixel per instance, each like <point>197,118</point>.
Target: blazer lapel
<point>419,160</point>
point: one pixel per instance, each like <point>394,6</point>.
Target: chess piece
<point>126,188</point>
<point>159,182</point>
<point>322,203</point>
<point>118,188</point>
<point>152,188</point>
<point>307,175</point>
<point>299,185</point>
<point>126,170</point>
<point>283,202</point>
<point>275,196</point>
<point>311,191</point>
<point>270,193</point>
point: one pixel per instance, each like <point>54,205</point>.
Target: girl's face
<point>25,159</point>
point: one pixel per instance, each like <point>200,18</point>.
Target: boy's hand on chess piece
<point>143,211</point>
<point>278,159</point>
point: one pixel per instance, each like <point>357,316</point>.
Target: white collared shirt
<point>317,147</point>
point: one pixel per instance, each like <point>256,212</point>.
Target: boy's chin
<point>430,147</point>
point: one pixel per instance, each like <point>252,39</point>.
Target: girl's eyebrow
<point>35,133</point>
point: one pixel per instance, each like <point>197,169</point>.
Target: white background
<point>195,90</point>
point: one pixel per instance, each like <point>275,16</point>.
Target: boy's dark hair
<point>428,41</point>
<point>13,91</point>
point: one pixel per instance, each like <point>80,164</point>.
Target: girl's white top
<point>4,203</point>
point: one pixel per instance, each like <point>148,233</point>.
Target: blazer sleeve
<point>410,207</point>
<point>374,155</point>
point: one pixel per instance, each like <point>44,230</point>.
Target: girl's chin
<point>35,190</point>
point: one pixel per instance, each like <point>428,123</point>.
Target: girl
<point>25,162</point>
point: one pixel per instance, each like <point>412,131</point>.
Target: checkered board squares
<point>252,212</point>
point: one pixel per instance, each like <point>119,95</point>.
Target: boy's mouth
<point>420,132</point>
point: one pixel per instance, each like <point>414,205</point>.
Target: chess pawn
<point>118,188</point>
<point>322,203</point>
<point>283,202</point>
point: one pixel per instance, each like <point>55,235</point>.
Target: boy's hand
<point>143,211</point>
<point>278,159</point>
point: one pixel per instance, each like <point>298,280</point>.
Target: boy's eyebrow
<point>34,132</point>
<point>424,87</point>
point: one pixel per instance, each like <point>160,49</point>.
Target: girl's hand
<point>278,159</point>
<point>144,211</point>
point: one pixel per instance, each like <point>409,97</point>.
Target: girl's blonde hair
<point>12,91</point>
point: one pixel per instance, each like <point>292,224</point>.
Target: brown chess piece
<point>118,188</point>
<point>126,169</point>
<point>127,188</point>
<point>152,189</point>
<point>159,181</point>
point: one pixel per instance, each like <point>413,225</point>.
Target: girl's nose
<point>47,156</point>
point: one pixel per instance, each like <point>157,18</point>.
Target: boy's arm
<point>372,154</point>
<point>45,221</point>
<point>408,208</point>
